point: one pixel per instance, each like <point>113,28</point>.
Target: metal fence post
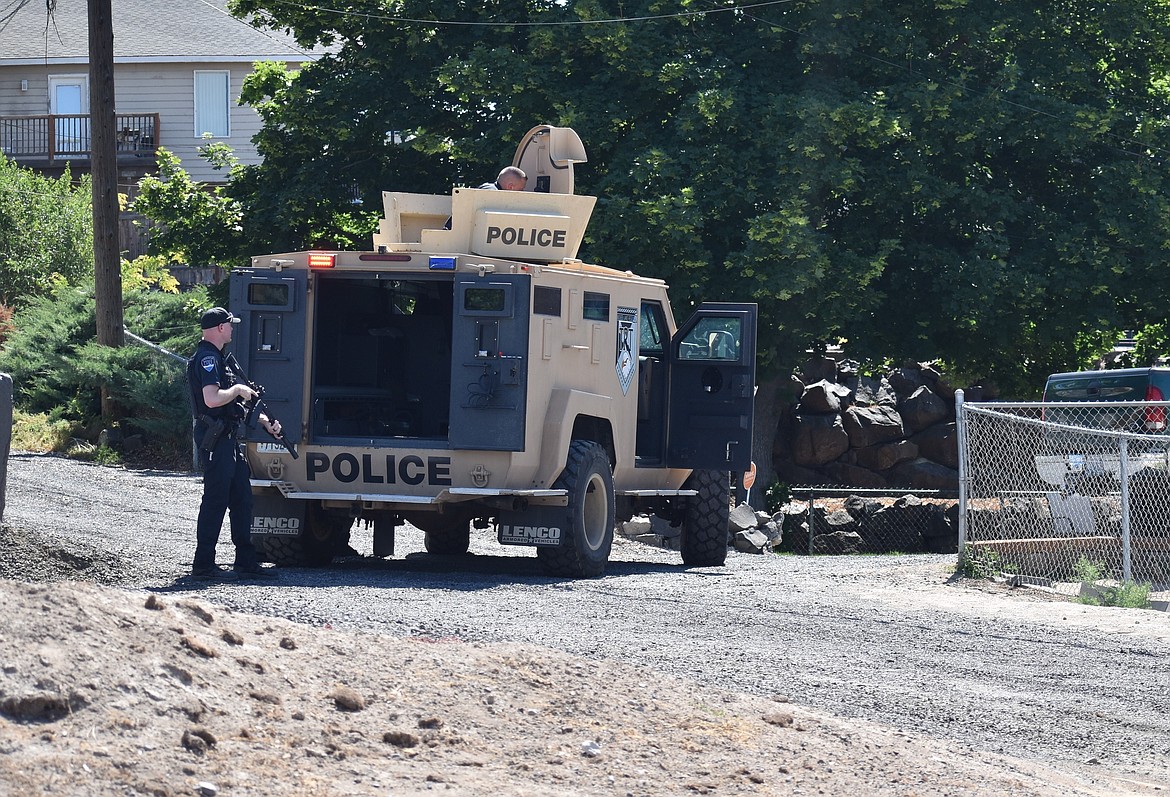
<point>811,519</point>
<point>961,435</point>
<point>1123,474</point>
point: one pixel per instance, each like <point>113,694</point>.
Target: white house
<point>178,69</point>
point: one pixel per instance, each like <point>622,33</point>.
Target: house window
<point>211,104</point>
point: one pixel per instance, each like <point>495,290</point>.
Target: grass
<point>1126,595</point>
<point>36,432</point>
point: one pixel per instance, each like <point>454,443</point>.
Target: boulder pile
<point>749,531</point>
<point>890,432</point>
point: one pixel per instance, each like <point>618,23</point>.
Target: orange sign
<point>749,478</point>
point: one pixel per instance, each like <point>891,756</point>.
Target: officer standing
<point>216,399</point>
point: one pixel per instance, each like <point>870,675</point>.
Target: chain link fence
<point>1065,491</point>
<point>844,520</point>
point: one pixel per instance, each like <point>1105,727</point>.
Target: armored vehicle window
<point>268,294</point>
<point>484,300</point>
<point>652,329</point>
<point>596,306</point>
<point>546,300</point>
<point>713,339</point>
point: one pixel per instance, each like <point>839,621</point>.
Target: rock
<point>823,396</point>
<point>662,528</point>
<point>837,521</point>
<point>347,699</point>
<point>870,425</point>
<point>856,476</point>
<point>922,409</point>
<point>884,455</point>
<point>198,740</point>
<point>774,532</point>
<point>860,508</point>
<point>636,527</point>
<point>870,392</point>
<point>837,542</point>
<point>817,439</point>
<point>939,443</point>
<point>905,381</point>
<point>206,789</point>
<point>751,541</point>
<point>400,739</point>
<point>741,518</point>
<point>923,474</point>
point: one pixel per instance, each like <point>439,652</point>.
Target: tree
<point>193,224</point>
<point>977,182</point>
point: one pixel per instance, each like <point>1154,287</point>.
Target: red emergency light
<point>321,260</point>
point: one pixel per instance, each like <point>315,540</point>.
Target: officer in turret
<point>217,399</point>
<point>510,178</point>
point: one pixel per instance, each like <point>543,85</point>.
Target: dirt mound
<point>104,691</point>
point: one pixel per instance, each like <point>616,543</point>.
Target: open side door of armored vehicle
<point>712,389</point>
<point>270,341</point>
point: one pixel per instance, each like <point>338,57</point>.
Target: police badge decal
<point>627,346</point>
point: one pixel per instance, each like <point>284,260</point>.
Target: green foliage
<point>193,224</point>
<point>1126,595</point>
<point>983,564</point>
<point>46,233</point>
<point>58,369</point>
<point>1151,345</point>
<point>1086,570</point>
<point>979,184</point>
<point>776,496</point>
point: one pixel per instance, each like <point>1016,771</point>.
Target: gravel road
<point>894,640</point>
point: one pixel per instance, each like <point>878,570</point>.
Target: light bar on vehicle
<point>443,263</point>
<point>321,260</point>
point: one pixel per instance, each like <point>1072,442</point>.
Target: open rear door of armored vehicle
<point>712,364</point>
<point>270,342</point>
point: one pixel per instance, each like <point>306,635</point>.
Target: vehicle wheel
<point>705,519</point>
<point>584,551</point>
<point>315,546</point>
<point>447,534</point>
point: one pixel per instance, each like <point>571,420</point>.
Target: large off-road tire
<point>323,534</point>
<point>705,519</point>
<point>588,534</point>
<point>446,534</point>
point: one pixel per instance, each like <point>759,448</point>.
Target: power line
<point>562,23</point>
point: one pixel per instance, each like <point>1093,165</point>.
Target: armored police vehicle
<point>470,370</point>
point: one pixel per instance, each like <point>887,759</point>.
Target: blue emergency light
<point>442,263</point>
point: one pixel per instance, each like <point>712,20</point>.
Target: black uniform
<point>226,483</point>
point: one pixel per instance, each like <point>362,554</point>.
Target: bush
<point>46,233</point>
<point>58,370</point>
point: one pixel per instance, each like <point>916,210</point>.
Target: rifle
<point>251,407</point>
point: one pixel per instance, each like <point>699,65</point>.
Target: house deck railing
<point>54,137</point>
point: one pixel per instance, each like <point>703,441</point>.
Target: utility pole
<point>107,272</point>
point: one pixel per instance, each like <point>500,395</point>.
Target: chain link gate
<point>1057,490</point>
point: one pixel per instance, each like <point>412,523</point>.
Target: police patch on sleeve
<point>207,364</point>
